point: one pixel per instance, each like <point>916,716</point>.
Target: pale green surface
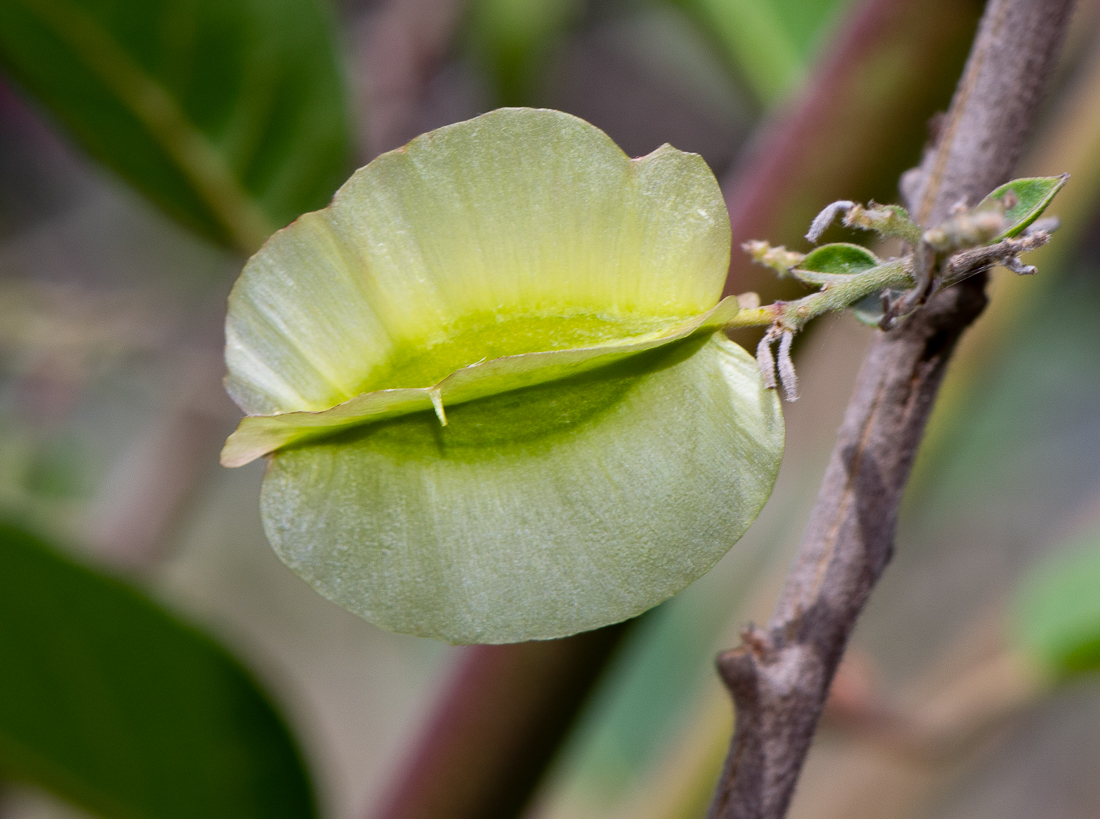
<point>537,513</point>
<point>516,214</point>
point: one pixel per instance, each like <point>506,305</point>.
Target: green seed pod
<point>492,385</point>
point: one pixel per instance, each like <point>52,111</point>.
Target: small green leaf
<point>834,262</point>
<point>1031,195</point>
<point>116,706</point>
<point>229,114</point>
<point>1057,609</point>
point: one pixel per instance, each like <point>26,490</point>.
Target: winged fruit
<point>492,386</point>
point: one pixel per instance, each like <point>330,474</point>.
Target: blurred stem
<point>153,487</point>
<point>505,713</point>
<point>953,721</point>
<point>780,677</point>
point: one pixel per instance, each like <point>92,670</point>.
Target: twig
<point>780,676</point>
<point>852,130</point>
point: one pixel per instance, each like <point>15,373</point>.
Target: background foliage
<point>118,123</point>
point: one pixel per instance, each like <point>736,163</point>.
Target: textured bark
<point>779,678</point>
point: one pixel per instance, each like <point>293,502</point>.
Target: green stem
<point>838,293</point>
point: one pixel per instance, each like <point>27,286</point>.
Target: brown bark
<point>779,678</point>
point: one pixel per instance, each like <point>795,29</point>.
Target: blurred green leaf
<point>1057,609</point>
<point>111,703</point>
<point>754,38</point>
<point>769,42</point>
<point>229,114</point>
<point>511,38</point>
<point>1031,197</point>
<point>57,469</point>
